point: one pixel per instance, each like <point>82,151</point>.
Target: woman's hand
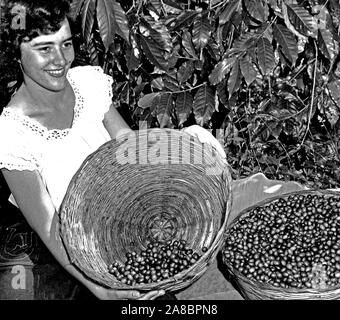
<point>204,136</point>
<point>110,294</point>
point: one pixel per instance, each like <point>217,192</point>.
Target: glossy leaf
<point>156,6</point>
<point>287,42</point>
<point>106,23</point>
<point>328,46</point>
<point>184,19</point>
<point>244,43</point>
<point>170,82</point>
<point>235,78</point>
<point>334,91</point>
<point>204,105</point>
<point>201,32</point>
<point>88,14</point>
<point>93,53</point>
<point>132,56</point>
<point>185,71</point>
<point>152,51</point>
<point>231,7</point>
<point>187,43</point>
<point>184,103</point>
<point>257,9</point>
<point>220,70</point>
<point>302,21</point>
<point>165,110</point>
<point>147,100</point>
<point>158,35</point>
<point>121,21</point>
<point>265,56</point>
<point>75,8</point>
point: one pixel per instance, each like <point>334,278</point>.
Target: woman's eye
<point>68,44</point>
<point>45,49</point>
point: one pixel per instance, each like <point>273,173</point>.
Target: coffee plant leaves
<point>204,105</point>
<point>171,7</point>
<point>332,113</point>
<point>157,83</point>
<point>185,19</point>
<point>220,70</point>
<point>158,32</point>
<point>132,57</point>
<point>155,6</point>
<point>184,103</point>
<point>248,70</point>
<point>152,51</point>
<point>257,9</point>
<point>302,21</point>
<point>265,56</point>
<point>334,91</point>
<point>147,100</point>
<point>105,18</point>
<point>88,16</point>
<point>235,79</point>
<point>287,42</point>
<point>170,84</point>
<point>75,8</point>
<point>187,44</point>
<point>120,22</point>
<point>229,10</point>
<point>185,71</point>
<point>221,92</point>
<point>93,51</point>
<point>165,110</point>
<point>327,45</point>
<point>201,32</point>
<point>245,43</point>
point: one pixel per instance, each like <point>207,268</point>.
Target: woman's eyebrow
<point>46,43</point>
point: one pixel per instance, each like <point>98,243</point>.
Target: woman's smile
<point>57,73</point>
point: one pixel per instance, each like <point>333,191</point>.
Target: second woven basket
<point>128,188</point>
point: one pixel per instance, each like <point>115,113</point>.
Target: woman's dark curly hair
<point>40,17</point>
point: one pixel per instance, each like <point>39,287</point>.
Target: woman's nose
<point>59,58</point>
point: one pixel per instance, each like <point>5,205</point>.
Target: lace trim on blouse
<point>50,134</point>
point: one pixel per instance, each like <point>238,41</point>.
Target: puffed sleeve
<point>95,87</point>
<point>15,153</point>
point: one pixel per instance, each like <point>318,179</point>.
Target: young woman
<point>56,118</point>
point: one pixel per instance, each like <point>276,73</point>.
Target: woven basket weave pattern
<point>111,208</point>
<point>256,290</point>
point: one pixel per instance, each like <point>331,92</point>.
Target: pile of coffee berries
<point>159,261</point>
<point>292,242</point>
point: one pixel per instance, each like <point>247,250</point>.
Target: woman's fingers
<point>152,295</point>
<point>123,294</point>
<point>133,295</point>
<point>204,136</point>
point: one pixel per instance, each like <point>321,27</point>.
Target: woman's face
<point>46,59</point>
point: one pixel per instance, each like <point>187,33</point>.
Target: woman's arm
<point>35,203</point>
<point>115,124</point>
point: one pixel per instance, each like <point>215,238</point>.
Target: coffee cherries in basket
<point>159,261</point>
<point>287,247</point>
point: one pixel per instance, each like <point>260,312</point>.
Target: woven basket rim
<point>260,285</point>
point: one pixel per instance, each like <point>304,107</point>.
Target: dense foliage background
<point>263,74</point>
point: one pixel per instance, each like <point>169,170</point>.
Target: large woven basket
<point>120,190</point>
<point>257,290</point>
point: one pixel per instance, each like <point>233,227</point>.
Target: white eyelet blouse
<point>57,154</point>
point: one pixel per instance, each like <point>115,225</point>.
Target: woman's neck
<point>42,98</point>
